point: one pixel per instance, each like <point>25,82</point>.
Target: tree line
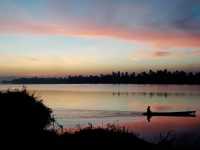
<point>150,77</point>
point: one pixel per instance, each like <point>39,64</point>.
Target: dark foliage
<point>23,111</point>
<point>111,137</point>
<point>151,77</point>
<point>24,119</point>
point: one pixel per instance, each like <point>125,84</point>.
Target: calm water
<point>78,105</point>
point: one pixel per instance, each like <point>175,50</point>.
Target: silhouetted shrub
<point>24,120</point>
<point>111,137</point>
<point>22,111</point>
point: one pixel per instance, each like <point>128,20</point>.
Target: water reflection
<point>180,126</point>
<point>180,116</point>
<point>121,104</point>
<point>154,94</point>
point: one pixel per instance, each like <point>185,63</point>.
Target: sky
<point>71,37</point>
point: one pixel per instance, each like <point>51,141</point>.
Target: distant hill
<point>150,77</point>
<point>7,78</point>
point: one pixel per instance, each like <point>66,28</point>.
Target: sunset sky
<point>60,37</point>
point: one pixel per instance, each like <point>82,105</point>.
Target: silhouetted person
<point>149,113</point>
<point>148,109</point>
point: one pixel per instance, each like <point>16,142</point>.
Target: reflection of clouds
<point>137,124</point>
<point>81,113</point>
<point>161,107</point>
<point>179,126</point>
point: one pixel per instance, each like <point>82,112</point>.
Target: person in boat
<point>148,109</point>
<point>149,113</point>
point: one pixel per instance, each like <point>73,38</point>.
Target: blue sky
<point>56,38</point>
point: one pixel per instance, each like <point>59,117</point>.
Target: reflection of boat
<point>181,113</point>
<point>150,114</point>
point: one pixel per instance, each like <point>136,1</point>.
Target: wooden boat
<point>181,113</point>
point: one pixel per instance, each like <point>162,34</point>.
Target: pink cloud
<point>161,53</point>
<point>157,39</point>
